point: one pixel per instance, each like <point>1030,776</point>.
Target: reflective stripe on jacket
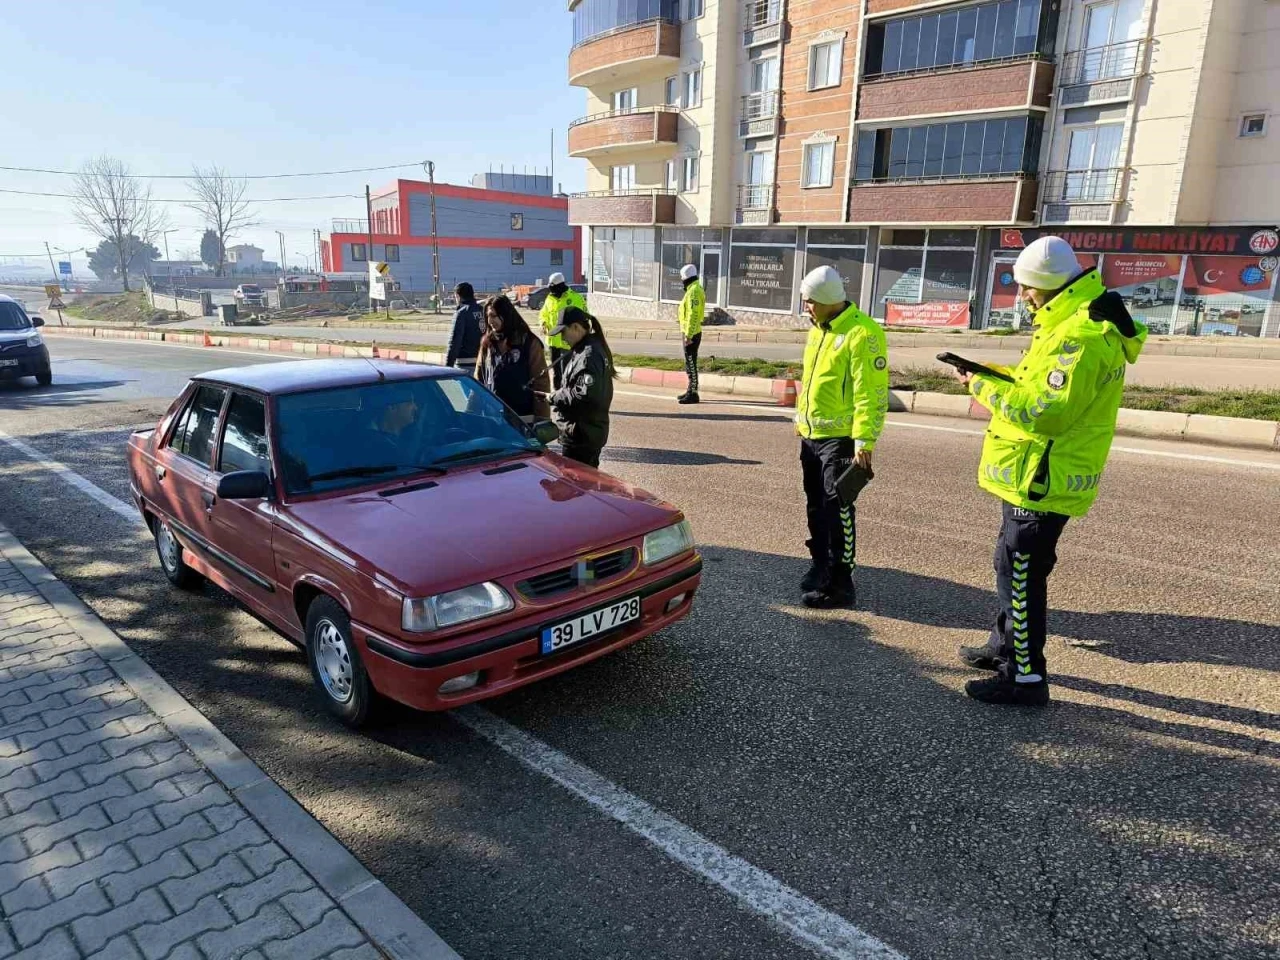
<point>1051,429</point>
<point>845,390</point>
<point>693,307</point>
<point>550,314</point>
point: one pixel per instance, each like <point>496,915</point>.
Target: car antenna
<point>382,374</point>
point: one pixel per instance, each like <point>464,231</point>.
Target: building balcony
<point>623,130</point>
<point>759,117</point>
<point>1081,196</point>
<point>1101,73</point>
<point>974,201</point>
<point>624,52</point>
<point>756,204</point>
<point>636,207</point>
<point>762,22</point>
<point>359,226</point>
<point>965,88</point>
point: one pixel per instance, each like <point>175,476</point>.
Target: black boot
<point>1002,690</point>
<point>691,397</point>
<point>815,578</point>
<point>981,658</point>
<point>837,593</point>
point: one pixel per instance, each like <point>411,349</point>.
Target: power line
<point>192,200</point>
<point>247,176</point>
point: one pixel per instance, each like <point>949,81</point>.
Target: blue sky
<point>275,87</point>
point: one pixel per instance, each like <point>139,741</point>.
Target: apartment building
<point>917,145</point>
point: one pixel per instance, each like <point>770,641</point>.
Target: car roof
<point>5,298</point>
<point>300,376</point>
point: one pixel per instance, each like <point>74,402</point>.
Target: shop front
<point>1176,280</point>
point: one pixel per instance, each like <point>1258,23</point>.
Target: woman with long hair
<point>581,406</point>
<point>512,361</point>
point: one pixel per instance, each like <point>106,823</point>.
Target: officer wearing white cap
<point>840,413</point>
<point>692,308</point>
<point>559,296</point>
<point>1045,450</point>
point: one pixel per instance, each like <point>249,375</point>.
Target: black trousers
<point>582,454</point>
<point>833,537</point>
<point>691,361</point>
<point>557,368</point>
<point>1026,551</point>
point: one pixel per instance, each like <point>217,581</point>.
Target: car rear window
<point>193,436</point>
<point>330,439</point>
<point>12,317</point>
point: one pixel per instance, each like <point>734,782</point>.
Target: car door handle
<point>208,498</point>
<point>161,472</point>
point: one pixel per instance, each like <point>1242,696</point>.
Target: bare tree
<point>115,206</point>
<point>220,200</point>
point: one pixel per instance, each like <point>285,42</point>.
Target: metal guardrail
<point>624,112</point>
<point>1115,61</point>
<point>1083,186</point>
<point>760,106</point>
<point>755,196</point>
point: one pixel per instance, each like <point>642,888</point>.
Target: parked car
<point>406,529</point>
<point>22,348</point>
<point>538,297</point>
<point>251,295</point>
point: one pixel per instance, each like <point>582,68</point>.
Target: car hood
<point>481,523</point>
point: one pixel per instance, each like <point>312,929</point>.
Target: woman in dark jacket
<point>512,361</point>
<point>581,406</point>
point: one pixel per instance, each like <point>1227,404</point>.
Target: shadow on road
<point>682,413</point>
<point>25,393</point>
<point>670,458</point>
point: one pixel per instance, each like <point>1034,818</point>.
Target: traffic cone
<point>208,341</point>
<point>375,350</point>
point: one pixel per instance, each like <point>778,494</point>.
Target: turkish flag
<point>1012,238</point>
<point>1210,275</point>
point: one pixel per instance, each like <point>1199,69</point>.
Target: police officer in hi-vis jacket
<point>840,412</point>
<point>1045,451</point>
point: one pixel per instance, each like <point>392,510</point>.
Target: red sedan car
<point>406,528</point>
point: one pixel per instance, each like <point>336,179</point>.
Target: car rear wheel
<point>170,552</point>
<point>335,664</point>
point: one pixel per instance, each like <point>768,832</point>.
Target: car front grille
<point>584,573</point>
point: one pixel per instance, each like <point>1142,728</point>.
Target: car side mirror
<point>244,485</point>
<point>544,431</point>
<point>37,321</point>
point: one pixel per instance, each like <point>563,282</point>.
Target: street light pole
<point>168,264</point>
<point>435,238</point>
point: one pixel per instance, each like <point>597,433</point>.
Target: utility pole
<point>284,266</point>
<point>51,266</point>
<point>368,251</point>
<point>435,238</point>
<point>553,161</point>
<point>319,265</point>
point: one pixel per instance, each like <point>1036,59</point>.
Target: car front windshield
<point>251,288</point>
<point>349,436</point>
<point>12,317</point>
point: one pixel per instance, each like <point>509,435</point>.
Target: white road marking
<point>819,929</point>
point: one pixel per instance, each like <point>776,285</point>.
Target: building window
<point>692,88</point>
<point>923,266</point>
<point>824,64</point>
<point>391,253</point>
<point>819,163</point>
<point>971,148</point>
<point>624,101</point>
<point>702,248</point>
<point>1253,125</point>
<point>689,178</point>
<point>557,257</point>
<point>764,74</point>
<point>671,91</point>
<point>591,18</point>
<point>986,31</point>
<point>517,256</point>
<point>358,253</point>
<point>623,262</point>
<point>844,249</point>
<point>693,9</point>
<point>622,178</point>
<point>762,269</point>
<point>517,221</point>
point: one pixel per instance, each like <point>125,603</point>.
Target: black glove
<point>1110,306</point>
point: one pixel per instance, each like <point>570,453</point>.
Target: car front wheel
<point>335,664</point>
<point>44,377</point>
<point>170,552</point>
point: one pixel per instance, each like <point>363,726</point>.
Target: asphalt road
<point>1206,372</point>
<point>1135,818</point>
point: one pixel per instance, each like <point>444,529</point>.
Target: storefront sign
<point>1241,241</point>
<point>941,313</point>
<point>760,277</point>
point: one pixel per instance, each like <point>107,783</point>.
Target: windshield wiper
<point>482,452</point>
<point>355,472</point>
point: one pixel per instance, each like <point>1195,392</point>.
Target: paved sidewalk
<point>116,841</point>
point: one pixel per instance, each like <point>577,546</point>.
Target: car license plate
<point>8,363</point>
<point>590,625</point>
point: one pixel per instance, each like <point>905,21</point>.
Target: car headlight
<point>455,607</point>
<point>666,543</point>
<point>35,340</point>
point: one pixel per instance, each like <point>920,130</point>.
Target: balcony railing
<point>1083,186</point>
<point>622,112</point>
<point>1115,61</point>
<point>624,192</point>
<point>350,226</point>
<point>755,196</point>
<point>762,22</point>
<point>760,106</point>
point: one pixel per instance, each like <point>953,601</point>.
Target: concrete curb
<point>1222,431</point>
<point>390,925</point>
